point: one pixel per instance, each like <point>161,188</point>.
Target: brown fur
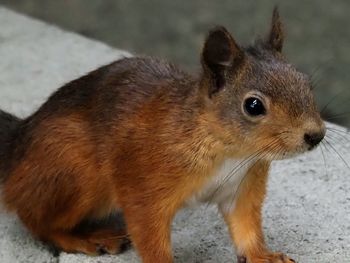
<point>140,136</point>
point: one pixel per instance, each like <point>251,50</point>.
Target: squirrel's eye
<point>254,107</point>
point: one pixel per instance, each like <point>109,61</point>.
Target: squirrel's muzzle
<point>314,138</point>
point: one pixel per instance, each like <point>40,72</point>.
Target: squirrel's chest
<point>223,186</point>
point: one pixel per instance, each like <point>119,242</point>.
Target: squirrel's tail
<point>9,124</point>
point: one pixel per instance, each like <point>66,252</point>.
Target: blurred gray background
<point>318,35</point>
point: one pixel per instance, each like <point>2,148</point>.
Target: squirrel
<point>141,139</point>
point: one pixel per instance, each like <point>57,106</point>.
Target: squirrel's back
<point>125,81</point>
<point>109,96</point>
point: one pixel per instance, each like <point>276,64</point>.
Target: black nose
<point>313,139</point>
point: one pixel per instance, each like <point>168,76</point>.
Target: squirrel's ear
<point>220,55</point>
<point>276,35</point>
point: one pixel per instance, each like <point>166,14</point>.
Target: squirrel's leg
<point>91,241</point>
<point>93,245</point>
<point>65,232</point>
<point>244,218</point>
<point>149,230</point>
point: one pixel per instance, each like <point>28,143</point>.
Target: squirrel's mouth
<point>294,152</point>
<point>284,150</point>
<point>293,143</point>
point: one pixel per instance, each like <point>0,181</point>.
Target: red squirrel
<point>142,138</point>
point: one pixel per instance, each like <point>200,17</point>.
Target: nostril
<point>313,139</point>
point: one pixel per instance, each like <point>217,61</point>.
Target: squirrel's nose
<point>313,139</point>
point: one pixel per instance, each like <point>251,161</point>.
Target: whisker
<point>241,182</point>
<point>335,132</point>
<point>315,81</point>
<point>324,160</point>
<point>315,77</point>
<point>337,116</point>
<point>235,169</point>
<point>334,137</point>
<point>232,173</point>
<point>330,101</point>
<point>325,146</point>
<point>345,130</point>
<point>337,153</point>
<point>255,163</point>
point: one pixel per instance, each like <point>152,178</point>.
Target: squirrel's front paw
<point>267,258</point>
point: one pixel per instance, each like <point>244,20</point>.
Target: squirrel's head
<point>263,104</point>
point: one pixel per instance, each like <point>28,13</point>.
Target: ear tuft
<point>276,36</point>
<point>220,54</point>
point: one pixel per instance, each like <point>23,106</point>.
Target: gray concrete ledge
<point>307,214</point>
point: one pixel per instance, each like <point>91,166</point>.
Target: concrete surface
<point>307,214</point>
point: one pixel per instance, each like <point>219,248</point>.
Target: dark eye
<point>254,107</point>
